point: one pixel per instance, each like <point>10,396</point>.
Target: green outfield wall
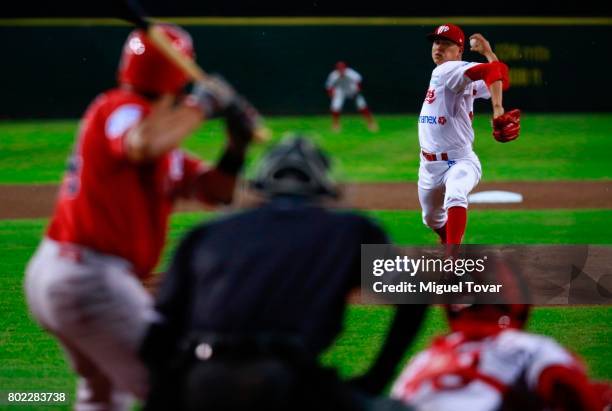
<point>53,68</point>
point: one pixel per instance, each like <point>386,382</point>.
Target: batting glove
<point>212,96</point>
<point>242,120</point>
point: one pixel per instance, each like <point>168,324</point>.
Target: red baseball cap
<point>448,32</point>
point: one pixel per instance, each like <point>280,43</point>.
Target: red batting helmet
<point>486,319</point>
<point>144,68</point>
<point>341,66</point>
<point>448,32</point>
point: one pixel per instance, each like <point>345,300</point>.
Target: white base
<point>491,197</point>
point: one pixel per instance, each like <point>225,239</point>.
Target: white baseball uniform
<point>449,168</point>
<point>100,312</point>
<point>345,86</point>
<point>455,373</point>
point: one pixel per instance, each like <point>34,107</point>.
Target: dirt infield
<point>36,201</point>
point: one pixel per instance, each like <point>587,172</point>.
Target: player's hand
<point>330,92</point>
<point>507,126</point>
<point>242,121</point>
<point>212,96</point>
<point>479,44</point>
<point>498,111</point>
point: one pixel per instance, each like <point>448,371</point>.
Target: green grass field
<point>552,147</point>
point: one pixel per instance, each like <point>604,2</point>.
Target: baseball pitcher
<point>83,284</point>
<point>449,168</point>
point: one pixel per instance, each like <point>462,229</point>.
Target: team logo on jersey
<point>121,120</point>
<point>430,96</point>
<point>432,120</point>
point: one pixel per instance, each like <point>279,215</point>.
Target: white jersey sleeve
<point>332,79</point>
<point>481,90</point>
<point>353,75</point>
<point>548,353</point>
<point>452,74</point>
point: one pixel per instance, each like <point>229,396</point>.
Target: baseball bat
<point>136,15</point>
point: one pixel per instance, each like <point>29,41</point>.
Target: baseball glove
<point>507,126</point>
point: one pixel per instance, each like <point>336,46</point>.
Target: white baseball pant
<point>338,100</point>
<point>444,184</point>
<point>100,312</point>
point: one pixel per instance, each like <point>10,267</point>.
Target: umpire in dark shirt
<point>251,300</point>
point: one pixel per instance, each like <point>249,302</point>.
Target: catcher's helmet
<point>295,167</point>
<point>146,69</point>
<point>486,319</point>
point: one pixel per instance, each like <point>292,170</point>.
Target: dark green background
<point>56,71</point>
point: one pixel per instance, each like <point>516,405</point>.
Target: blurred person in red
<point>84,283</point>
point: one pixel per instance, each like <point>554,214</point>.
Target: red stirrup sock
<point>335,119</point>
<point>455,225</point>
<point>366,113</point>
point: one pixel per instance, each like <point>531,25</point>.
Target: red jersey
<point>110,203</point>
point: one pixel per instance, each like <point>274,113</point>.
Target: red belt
<point>433,157</point>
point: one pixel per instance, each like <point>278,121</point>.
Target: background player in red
<point>449,167</point>
<point>487,362</point>
<point>343,83</point>
<point>110,221</point>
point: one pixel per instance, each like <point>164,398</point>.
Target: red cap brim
<point>433,36</point>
